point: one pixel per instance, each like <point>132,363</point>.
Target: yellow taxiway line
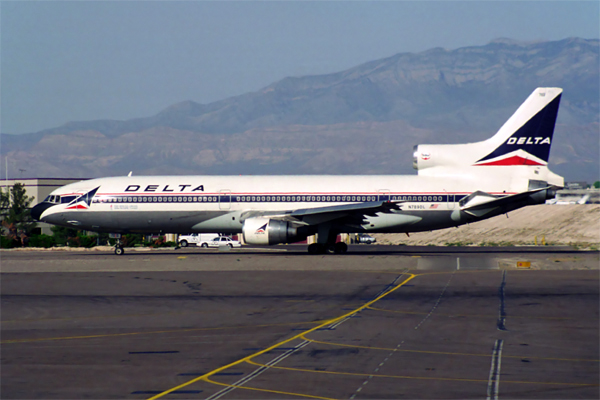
<point>267,390</point>
<point>155,332</point>
<point>363,374</point>
<point>295,337</point>
<point>395,349</point>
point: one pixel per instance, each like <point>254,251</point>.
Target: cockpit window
<point>52,199</point>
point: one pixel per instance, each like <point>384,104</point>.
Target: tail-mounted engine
<point>439,155</point>
<point>265,231</point>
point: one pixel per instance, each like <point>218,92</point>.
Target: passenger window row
<point>266,199</point>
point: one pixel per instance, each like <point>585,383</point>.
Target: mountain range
<point>364,120</point>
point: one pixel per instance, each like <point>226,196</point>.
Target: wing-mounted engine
<point>267,231</point>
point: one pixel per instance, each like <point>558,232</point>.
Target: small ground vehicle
<point>196,238</point>
<point>221,241</point>
<point>366,239</point>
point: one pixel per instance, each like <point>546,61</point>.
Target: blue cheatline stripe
<point>414,198</point>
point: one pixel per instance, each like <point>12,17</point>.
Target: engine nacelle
<point>265,231</point>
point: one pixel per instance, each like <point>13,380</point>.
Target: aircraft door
<point>224,199</point>
<point>449,200</point>
<point>383,195</point>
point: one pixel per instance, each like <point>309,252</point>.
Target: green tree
<point>5,241</point>
<point>4,203</point>
<point>597,185</point>
<point>16,216</point>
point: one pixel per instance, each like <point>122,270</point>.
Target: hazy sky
<point>85,60</point>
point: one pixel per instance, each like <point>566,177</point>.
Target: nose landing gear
<point>119,245</point>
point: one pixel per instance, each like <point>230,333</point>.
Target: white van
<point>199,239</point>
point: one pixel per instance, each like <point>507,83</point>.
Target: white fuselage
<point>218,204</point>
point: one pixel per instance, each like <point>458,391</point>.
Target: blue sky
<point>86,60</point>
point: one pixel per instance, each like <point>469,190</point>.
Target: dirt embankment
<point>555,224</point>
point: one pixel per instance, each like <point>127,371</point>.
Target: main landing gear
<point>326,242</point>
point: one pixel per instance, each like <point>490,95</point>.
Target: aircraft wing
<point>318,215</point>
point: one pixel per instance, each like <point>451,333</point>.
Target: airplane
<point>582,200</point>
<point>455,184</point>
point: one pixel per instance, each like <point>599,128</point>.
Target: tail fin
<point>525,139</point>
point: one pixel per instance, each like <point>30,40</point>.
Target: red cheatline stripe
<point>514,160</point>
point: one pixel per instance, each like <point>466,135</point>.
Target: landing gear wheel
<point>316,248</point>
<point>340,248</point>
<point>183,243</point>
<point>119,251</point>
<point>330,248</point>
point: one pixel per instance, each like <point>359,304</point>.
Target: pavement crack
<point>502,312</point>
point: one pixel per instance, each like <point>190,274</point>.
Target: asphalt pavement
<point>374,323</point>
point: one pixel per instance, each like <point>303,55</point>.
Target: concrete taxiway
<point>376,323</point>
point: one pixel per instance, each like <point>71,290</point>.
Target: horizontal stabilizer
<point>479,203</point>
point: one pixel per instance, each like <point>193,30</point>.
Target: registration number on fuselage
<point>124,206</point>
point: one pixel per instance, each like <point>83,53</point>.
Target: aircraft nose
<point>38,210</point>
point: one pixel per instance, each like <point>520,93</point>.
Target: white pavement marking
<point>258,371</point>
<point>437,302</point>
<point>288,353</point>
<point>494,379</point>
<point>402,342</point>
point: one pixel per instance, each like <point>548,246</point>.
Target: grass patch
<point>496,244</point>
<point>457,244</point>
